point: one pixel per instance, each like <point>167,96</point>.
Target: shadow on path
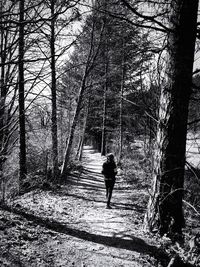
<point>88,180</point>
<point>132,243</point>
<point>117,206</point>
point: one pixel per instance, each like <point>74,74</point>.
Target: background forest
<point>63,52</point>
<point>114,75</point>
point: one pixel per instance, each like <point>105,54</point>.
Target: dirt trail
<point>84,233</point>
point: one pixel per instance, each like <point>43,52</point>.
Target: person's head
<point>110,157</point>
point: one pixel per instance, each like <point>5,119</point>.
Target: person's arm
<point>115,169</point>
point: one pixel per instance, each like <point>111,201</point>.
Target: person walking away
<point>109,170</point>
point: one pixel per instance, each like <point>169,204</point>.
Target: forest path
<point>80,230</point>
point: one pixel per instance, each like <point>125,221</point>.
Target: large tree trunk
<point>165,205</point>
<point>22,145</point>
<point>53,95</point>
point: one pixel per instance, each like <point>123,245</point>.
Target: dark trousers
<point>109,188</point>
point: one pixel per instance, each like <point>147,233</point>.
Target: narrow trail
<point>83,231</point>
<point>91,185</point>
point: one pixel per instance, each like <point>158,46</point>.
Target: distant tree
<point>117,73</point>
<point>121,103</point>
<point>90,58</point>
<point>82,132</point>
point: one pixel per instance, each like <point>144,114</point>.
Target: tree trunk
<point>105,89</point>
<point>80,148</point>
<point>73,127</point>
<point>22,145</point>
<point>2,108</point>
<point>165,204</point>
<point>53,95</point>
<point>103,131</point>
<point>61,150</point>
<point>121,105</point>
<point>2,93</point>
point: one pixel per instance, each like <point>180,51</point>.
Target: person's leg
<point>110,189</point>
<point>107,186</point>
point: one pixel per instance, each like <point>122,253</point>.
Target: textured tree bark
<point>165,204</point>
<point>53,95</point>
<point>22,129</point>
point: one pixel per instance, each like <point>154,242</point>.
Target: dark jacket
<point>109,170</point>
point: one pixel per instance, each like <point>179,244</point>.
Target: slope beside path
<point>71,227</point>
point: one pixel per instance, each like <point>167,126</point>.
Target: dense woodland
<point>113,75</point>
